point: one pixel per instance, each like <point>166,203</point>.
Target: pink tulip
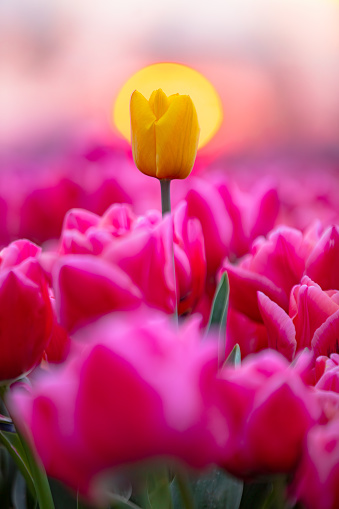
<point>269,409</point>
<point>271,286</point>
<point>140,247</point>
<point>274,266</point>
<point>134,388</point>
<point>4,229</point>
<point>205,203</point>
<point>25,310</point>
<point>87,287</point>
<point>322,264</point>
<point>59,342</point>
<point>312,321</point>
<point>310,307</point>
<point>324,364</point>
<point>251,336</point>
<point>317,477</point>
<point>44,207</point>
<point>252,212</point>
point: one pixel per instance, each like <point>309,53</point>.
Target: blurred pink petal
<point>87,287</point>
<point>280,328</point>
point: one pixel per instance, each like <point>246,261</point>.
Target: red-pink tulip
<point>312,321</point>
<point>133,389</point>
<point>205,203</point>
<point>277,270</point>
<point>140,247</point>
<point>317,478</point>
<point>25,310</point>
<point>87,287</point>
<point>322,264</point>
<point>269,409</point>
<point>253,212</point>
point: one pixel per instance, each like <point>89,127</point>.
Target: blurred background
<point>274,63</point>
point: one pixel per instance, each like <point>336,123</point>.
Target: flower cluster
<point>115,320</point>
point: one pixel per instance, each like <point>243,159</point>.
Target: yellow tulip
<point>164,134</point>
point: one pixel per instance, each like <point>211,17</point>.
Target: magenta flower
<point>317,477</point>
<point>59,342</point>
<point>25,310</point>
<point>134,388</point>
<point>205,203</point>
<point>312,322</point>
<point>272,286</point>
<point>269,409</point>
<point>131,253</point>
<point>274,266</point>
<point>87,287</point>
<point>253,212</point>
<point>322,264</point>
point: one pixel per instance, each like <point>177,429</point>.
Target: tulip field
<point>168,351</point>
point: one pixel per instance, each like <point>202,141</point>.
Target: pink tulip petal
<point>280,328</point>
<point>326,337</point>
<point>244,286</point>
<point>87,287</point>
<point>322,264</point>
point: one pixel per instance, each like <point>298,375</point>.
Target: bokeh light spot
<point>172,78</point>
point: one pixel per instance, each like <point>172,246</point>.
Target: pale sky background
<point>275,63</point>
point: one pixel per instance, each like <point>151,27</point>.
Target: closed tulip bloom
<point>164,133</point>
<point>25,310</point>
<point>134,387</point>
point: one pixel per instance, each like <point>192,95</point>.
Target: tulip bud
<point>164,134</point>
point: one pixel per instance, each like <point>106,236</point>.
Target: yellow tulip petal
<point>172,78</point>
<point>143,134</point>
<point>177,137</point>
<point>159,103</point>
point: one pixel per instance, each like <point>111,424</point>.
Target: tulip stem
<point>185,490</point>
<point>165,186</point>
<point>34,469</point>
<point>40,480</point>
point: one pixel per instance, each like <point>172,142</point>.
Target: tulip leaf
<point>218,315</point>
<point>218,490</point>
<point>234,358</point>
<point>159,489</point>
<point>160,496</point>
<point>118,502</point>
<point>12,443</point>
<point>19,495</point>
<point>220,305</point>
<point>215,489</point>
<point>255,494</point>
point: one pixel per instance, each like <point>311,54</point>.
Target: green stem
<point>185,490</point>
<point>42,488</point>
<point>277,498</point>
<point>165,185</point>
<point>119,502</point>
<point>37,472</point>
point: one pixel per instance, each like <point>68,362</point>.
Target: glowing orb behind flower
<point>172,79</point>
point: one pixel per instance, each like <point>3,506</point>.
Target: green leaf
<point>159,490</point>
<point>255,494</point>
<point>15,448</point>
<point>234,358</point>
<point>118,502</point>
<point>218,317</point>
<point>41,485</point>
<point>220,304</point>
<point>7,472</point>
<point>216,489</point>
<point>19,496</point>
